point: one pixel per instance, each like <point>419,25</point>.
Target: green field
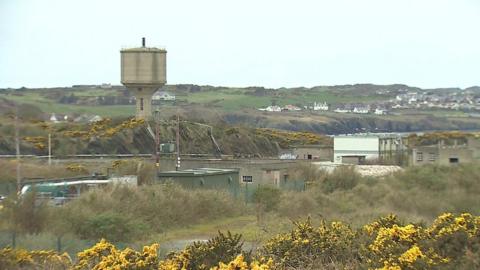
<point>50,106</point>
<point>212,103</point>
<point>95,92</point>
<point>235,99</point>
<point>228,99</point>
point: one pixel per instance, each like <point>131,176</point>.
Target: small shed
<point>203,178</point>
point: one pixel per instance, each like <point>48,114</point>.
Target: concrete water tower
<point>144,70</point>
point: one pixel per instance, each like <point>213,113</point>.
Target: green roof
<point>197,172</point>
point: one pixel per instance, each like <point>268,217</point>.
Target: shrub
<point>24,214</point>
<point>308,246</point>
<point>308,172</point>
<point>104,255</point>
<point>342,178</point>
<point>267,197</point>
<point>14,259</point>
<point>123,213</point>
<point>205,255</point>
<point>456,238</point>
<point>240,264</point>
<point>451,242</point>
<point>297,204</point>
<point>112,226</point>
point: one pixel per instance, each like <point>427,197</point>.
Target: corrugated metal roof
<point>198,171</point>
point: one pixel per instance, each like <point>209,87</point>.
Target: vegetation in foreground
<point>138,216</point>
<point>450,242</point>
<point>135,216</point>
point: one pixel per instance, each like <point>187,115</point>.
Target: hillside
<point>127,136</point>
<point>239,106</point>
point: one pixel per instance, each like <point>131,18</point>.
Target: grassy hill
<point>223,98</point>
<point>238,106</point>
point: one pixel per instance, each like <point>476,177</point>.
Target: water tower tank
<point>144,70</point>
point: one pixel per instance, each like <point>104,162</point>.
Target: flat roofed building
<point>208,178</point>
<point>393,149</point>
<point>317,152</point>
<point>363,147</point>
<point>389,148</point>
<point>446,154</point>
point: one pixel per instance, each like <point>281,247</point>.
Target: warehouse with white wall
<point>355,149</point>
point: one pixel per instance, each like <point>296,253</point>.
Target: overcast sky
<point>271,43</point>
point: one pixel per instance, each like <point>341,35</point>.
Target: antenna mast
<point>17,150</point>
<point>177,165</point>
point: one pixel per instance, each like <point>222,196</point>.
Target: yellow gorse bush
<point>388,237</point>
<point>240,264</point>
<point>324,242</point>
<point>411,255</point>
<point>447,224</point>
<point>205,255</point>
<point>286,138</point>
<point>23,259</point>
<point>39,142</point>
<point>395,246</point>
<point>104,255</point>
<point>101,129</point>
<point>386,244</point>
<point>76,168</point>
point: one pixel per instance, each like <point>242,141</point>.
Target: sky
<point>270,43</point>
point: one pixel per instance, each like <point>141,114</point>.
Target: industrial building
<point>241,182</point>
<point>393,149</point>
<point>207,178</point>
<point>261,170</point>
<point>355,149</point>
<point>362,148</point>
<point>447,153</point>
<point>317,152</point>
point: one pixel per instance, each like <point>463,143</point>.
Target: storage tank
<point>144,70</point>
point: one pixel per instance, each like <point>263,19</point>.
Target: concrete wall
<point>143,102</point>
<point>367,146</point>
<point>473,143</point>
<point>393,150</point>
<point>354,160</point>
<point>144,66</point>
<point>441,155</point>
<point>462,155</point>
<point>313,152</point>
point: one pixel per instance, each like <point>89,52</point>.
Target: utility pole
<point>49,149</point>
<point>177,165</point>
<point>157,145</point>
<point>17,151</point>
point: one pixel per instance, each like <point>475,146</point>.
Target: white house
<point>95,118</point>
<point>106,86</point>
<point>291,108</point>
<point>161,95</point>
<point>361,109</point>
<point>53,118</point>
<point>320,106</point>
<point>342,110</point>
<point>273,109</point>
<point>380,111</point>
